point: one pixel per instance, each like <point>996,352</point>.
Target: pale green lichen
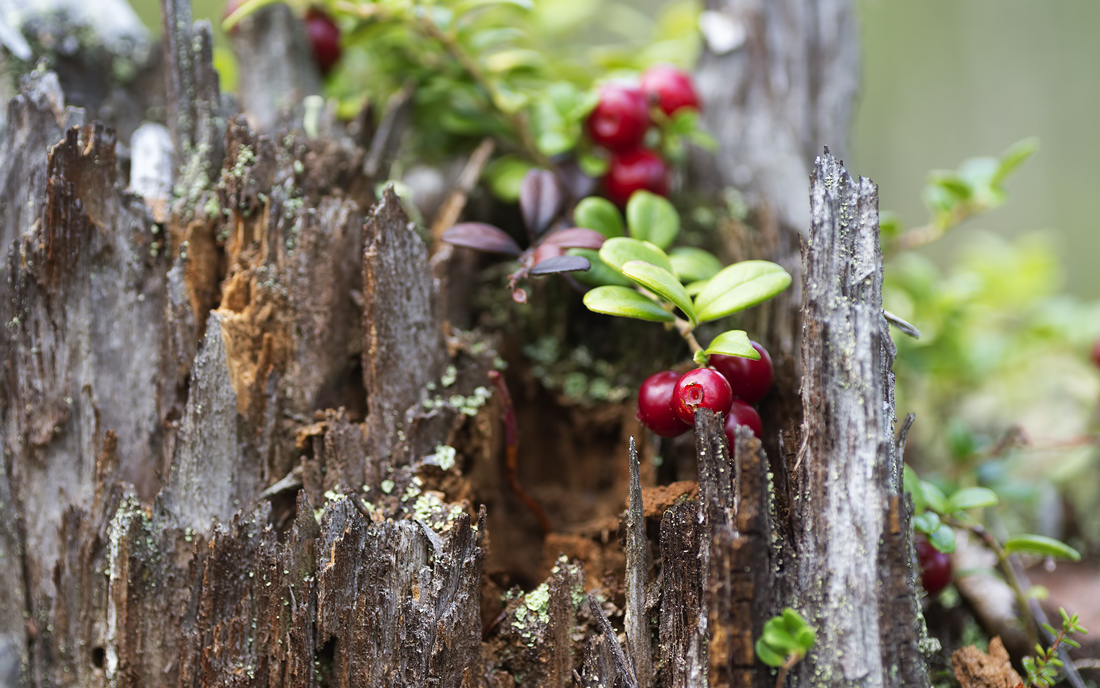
<point>387,486</point>
<point>449,376</point>
<point>444,457</point>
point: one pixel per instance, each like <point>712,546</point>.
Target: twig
<point>781,677</point>
<point>511,440</point>
<point>456,200</point>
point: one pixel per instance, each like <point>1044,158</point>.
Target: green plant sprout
<point>1042,670</point>
<point>640,280</point>
<point>937,515</point>
<point>954,196</point>
<point>784,642</point>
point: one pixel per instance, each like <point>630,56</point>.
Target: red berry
<point>324,36</point>
<point>936,568</point>
<point>655,405</point>
<point>703,388</point>
<point>741,413</point>
<point>621,118</point>
<point>749,379</point>
<point>670,89</point>
<point>1096,353</point>
<point>633,170</point>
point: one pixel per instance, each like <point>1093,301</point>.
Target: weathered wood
<point>637,575</point>
<point>852,575</point>
<point>682,649</point>
<point>605,665</point>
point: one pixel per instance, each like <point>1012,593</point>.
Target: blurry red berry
<point>324,37</point>
<point>670,89</point>
<point>1096,353</point>
<point>620,118</point>
<point>741,413</point>
<point>701,388</point>
<point>633,170</point>
<point>749,379</point>
<point>936,567</point>
<point>655,405</point>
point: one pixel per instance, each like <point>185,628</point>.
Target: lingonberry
<point>324,37</point>
<point>1096,353</point>
<point>936,568</point>
<point>749,379</point>
<point>621,117</point>
<point>741,413</point>
<point>633,170</point>
<point>655,405</point>
<point>669,89</point>
<point>701,388</point>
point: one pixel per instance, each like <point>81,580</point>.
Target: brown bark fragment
<point>976,669</point>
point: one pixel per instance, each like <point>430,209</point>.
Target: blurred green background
<point>946,80</point>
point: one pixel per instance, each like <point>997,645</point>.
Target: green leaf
<point>621,250</point>
<point>806,637</point>
<point>625,302</point>
<point>793,620</point>
<point>592,164</point>
<point>693,264</point>
<point>599,274</point>
<point>912,486</point>
<point>933,497</point>
<point>467,5</point>
<point>652,218</point>
<point>943,539</point>
<point>1043,546</point>
<point>662,283</point>
<point>927,522</point>
<point>554,142</point>
<point>971,498</point>
<point>1012,158</point>
<point>740,286</point>
<point>695,288</point>
<point>733,343</point>
<point>768,655</point>
<point>951,182</point>
<point>779,639</point>
<point>599,214</point>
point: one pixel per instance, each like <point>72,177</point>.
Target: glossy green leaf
<point>912,486</point>
<point>662,283</point>
<point>621,250</point>
<point>1042,546</point>
<point>505,176</point>
<point>951,182</point>
<point>733,343</point>
<point>740,286</point>
<point>626,303</point>
<point>599,274</point>
<point>652,218</point>
<point>926,522</point>
<point>599,214</point>
<point>933,497</point>
<point>768,655</point>
<point>693,264</point>
<point>943,539</point>
<point>806,637</point>
<point>971,498</point>
<point>779,639</point>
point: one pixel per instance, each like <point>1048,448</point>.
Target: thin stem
<point>781,677</point>
<point>1009,572</point>
<point>685,329</point>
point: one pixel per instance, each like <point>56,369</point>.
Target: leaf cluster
<point>785,639</point>
<point>638,279</point>
<point>1042,669</point>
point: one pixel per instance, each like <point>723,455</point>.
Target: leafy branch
<point>1042,670</point>
<point>784,642</point>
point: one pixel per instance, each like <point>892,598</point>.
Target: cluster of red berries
<point>667,400</point>
<point>620,121</point>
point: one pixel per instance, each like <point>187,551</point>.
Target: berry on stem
<point>741,413</point>
<point>621,117</point>
<point>670,89</point>
<point>749,379</point>
<point>655,405</point>
<point>701,388</point>
<point>324,37</point>
<point>634,170</point>
<point>936,568</point>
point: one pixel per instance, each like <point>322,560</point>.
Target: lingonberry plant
<point>655,399</point>
<point>936,569</point>
<point>750,379</point>
<point>1042,669</point>
<point>784,641</point>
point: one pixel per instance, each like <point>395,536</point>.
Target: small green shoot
<point>784,642</point>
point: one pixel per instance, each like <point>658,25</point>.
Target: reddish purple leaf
<point>540,200</point>
<point>482,237</point>
<point>546,252</point>
<point>575,237</point>
<point>552,266</point>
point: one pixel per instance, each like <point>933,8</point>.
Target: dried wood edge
<point>637,625</point>
<point>611,642</point>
